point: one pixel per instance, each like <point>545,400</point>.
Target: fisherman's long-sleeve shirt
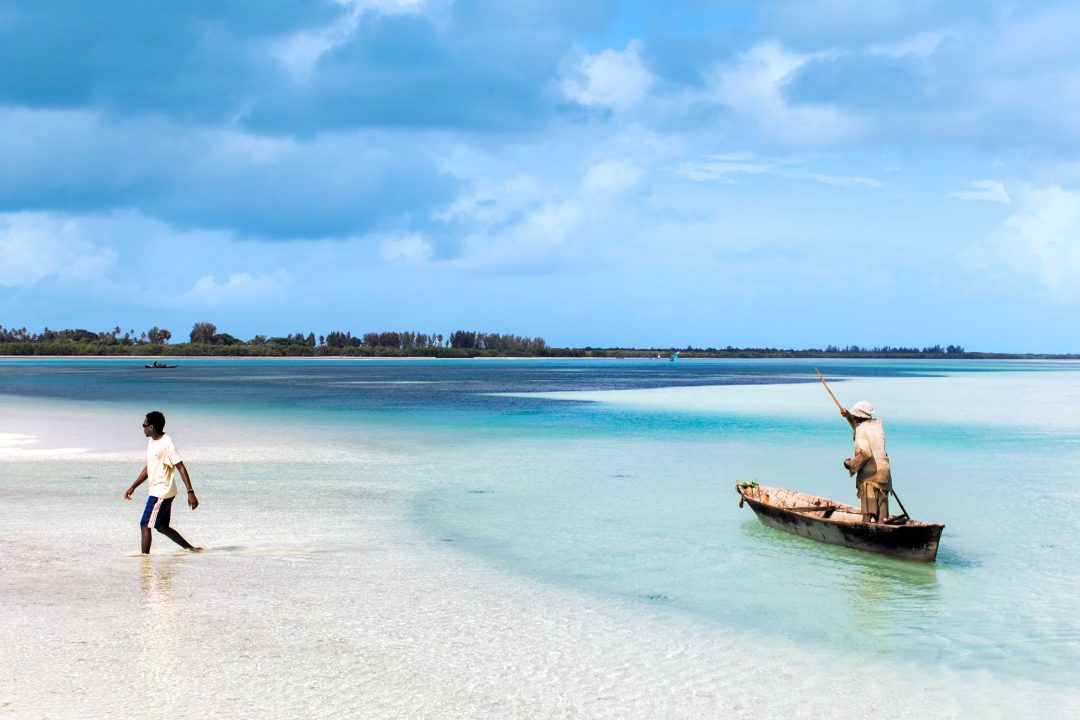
<point>870,463</point>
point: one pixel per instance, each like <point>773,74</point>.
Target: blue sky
<point>787,174</point>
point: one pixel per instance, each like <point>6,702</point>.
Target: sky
<point>636,174</point>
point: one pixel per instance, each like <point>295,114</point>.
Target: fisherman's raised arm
<point>849,417</point>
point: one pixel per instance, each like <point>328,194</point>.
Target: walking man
<point>162,462</point>
<point>870,462</point>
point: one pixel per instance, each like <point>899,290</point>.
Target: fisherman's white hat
<point>862,409</point>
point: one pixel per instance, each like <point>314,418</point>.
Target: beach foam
<point>19,446</point>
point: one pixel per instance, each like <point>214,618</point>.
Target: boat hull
<point>913,541</point>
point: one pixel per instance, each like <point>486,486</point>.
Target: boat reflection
<point>856,598</point>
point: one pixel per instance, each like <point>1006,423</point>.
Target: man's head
<point>862,410</point>
<point>154,424</point>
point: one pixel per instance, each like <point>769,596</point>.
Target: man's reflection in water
<point>159,638</point>
<point>157,578</point>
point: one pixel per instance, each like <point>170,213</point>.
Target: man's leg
<point>148,516</point>
<point>177,538</point>
<point>875,506</point>
<point>160,517</point>
<point>146,538</point>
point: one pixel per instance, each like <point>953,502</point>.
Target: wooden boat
<point>831,522</point>
<point>159,366</point>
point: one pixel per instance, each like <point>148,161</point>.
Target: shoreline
<point>980,357</point>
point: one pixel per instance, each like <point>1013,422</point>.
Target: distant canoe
<point>834,523</point>
<point>159,366</point>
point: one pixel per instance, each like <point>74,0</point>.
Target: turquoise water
<point>642,505</point>
<point>615,478</point>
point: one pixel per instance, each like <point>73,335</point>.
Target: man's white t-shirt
<point>162,458</point>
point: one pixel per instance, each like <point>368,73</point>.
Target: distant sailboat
<point>674,357</point>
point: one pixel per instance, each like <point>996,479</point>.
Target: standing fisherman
<point>870,463</point>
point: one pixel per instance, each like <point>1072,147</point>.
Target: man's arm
<point>862,455</point>
<point>851,420</point>
<point>138,481</point>
<point>191,499</point>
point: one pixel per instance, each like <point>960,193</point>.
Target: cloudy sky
<point>596,173</point>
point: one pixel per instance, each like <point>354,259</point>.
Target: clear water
<point>536,528</point>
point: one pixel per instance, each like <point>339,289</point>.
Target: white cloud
<point>411,249</point>
<point>1041,240</point>
<point>38,245</point>
<point>496,204</point>
<point>540,226</point>
<point>239,288</point>
<point>299,53</point>
<point>988,190</point>
<point>841,180</point>
<point>753,81</point>
<point>919,45</point>
<point>752,88</point>
<point>609,179</point>
<point>724,167</point>
<point>612,79</point>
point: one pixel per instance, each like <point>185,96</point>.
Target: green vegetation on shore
<point>205,340</point>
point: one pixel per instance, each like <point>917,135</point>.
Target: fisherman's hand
<point>192,501</point>
<point>127,493</point>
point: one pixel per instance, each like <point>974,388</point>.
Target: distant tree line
<point>20,341</point>
<point>204,339</point>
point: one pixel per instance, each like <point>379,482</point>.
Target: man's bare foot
<point>195,549</point>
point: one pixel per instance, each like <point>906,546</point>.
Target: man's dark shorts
<point>157,513</point>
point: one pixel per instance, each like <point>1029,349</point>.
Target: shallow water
<point>370,524</point>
